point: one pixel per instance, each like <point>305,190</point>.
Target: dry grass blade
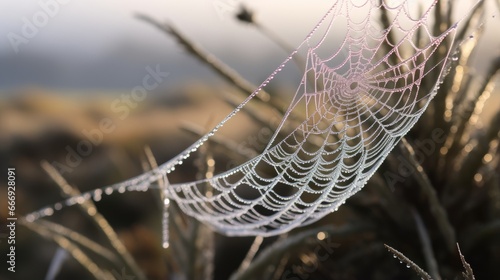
<point>218,66</point>
<point>386,23</point>
<point>468,274</point>
<point>102,224</point>
<point>439,102</point>
<point>475,102</point>
<point>481,233</point>
<point>55,265</point>
<point>201,247</point>
<point>281,267</point>
<point>154,165</point>
<point>194,258</point>
<point>473,160</point>
<point>79,239</point>
<point>276,251</point>
<point>175,218</point>
<point>251,253</point>
<point>468,24</point>
<point>430,259</point>
<point>409,263</point>
<point>73,249</point>
<point>254,113</point>
<point>437,209</point>
<point>245,15</point>
<point>231,147</point>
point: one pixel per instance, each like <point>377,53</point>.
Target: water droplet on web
<point>454,58</point>
<point>48,212</point>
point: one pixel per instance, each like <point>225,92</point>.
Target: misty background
<point>101,45</point>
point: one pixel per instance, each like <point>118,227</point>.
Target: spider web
<point>354,102</point>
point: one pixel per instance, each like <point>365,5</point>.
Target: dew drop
<point>80,200</point>
<point>70,202</point>
<point>48,211</point>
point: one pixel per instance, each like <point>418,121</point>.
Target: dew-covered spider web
<point>361,92</point>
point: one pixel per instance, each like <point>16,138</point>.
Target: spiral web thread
<point>354,104</point>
